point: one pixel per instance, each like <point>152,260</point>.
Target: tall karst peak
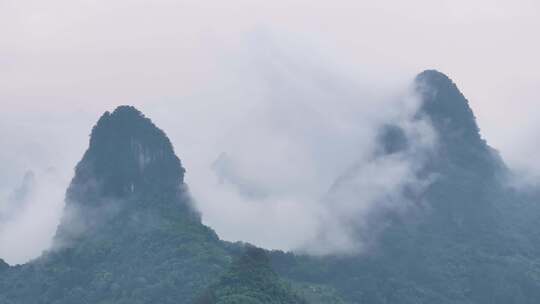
<point>458,137</point>
<point>129,168</point>
<point>127,154</point>
<point>460,151</point>
<point>448,109</point>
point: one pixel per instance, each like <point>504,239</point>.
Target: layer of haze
<point>279,97</point>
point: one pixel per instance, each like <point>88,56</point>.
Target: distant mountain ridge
<point>130,233</point>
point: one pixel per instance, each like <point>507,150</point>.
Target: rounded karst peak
<point>445,105</point>
<point>128,154</point>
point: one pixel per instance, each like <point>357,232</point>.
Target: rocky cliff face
<point>127,155</point>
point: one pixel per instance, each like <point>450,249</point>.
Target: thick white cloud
<point>304,72</point>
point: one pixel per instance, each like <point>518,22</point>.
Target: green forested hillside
<point>250,280</point>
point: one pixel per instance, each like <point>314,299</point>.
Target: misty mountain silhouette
<point>19,199</point>
<point>129,233</point>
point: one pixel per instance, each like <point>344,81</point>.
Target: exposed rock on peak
<point>127,154</point>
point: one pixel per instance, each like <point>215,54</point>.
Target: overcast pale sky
<point>197,67</point>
